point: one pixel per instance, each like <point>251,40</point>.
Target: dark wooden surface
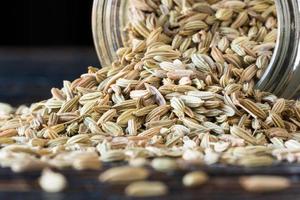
<point>26,75</point>
<point>223,185</point>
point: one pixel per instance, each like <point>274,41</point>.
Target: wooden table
<point>26,75</point>
<point>84,185</point>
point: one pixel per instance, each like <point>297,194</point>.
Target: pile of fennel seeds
<point>183,88</point>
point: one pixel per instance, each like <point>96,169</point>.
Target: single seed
<point>124,174</point>
<point>262,184</point>
<point>52,181</point>
<point>146,189</point>
<point>194,179</point>
<point>164,164</point>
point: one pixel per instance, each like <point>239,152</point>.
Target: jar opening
<point>281,77</point>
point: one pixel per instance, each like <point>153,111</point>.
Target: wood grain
<point>223,184</point>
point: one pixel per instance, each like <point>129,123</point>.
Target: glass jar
<point>109,18</point>
<point>282,76</point>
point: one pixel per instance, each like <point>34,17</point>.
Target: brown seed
<point>124,174</point>
<point>9,133</point>
<point>194,179</point>
<point>85,162</point>
<point>164,164</point>
<point>260,183</point>
<point>146,189</point>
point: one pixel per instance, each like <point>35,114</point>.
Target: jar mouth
<point>264,82</point>
<point>281,76</point>
<point>107,28</point>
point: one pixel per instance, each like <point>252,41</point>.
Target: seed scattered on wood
<point>194,179</point>
<point>124,174</point>
<point>261,184</point>
<point>146,189</point>
<point>52,181</point>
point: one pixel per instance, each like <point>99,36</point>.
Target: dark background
<point>46,23</point>
<point>42,43</point>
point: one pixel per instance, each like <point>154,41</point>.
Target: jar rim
<point>281,77</point>
<point>107,28</point>
<point>277,77</point>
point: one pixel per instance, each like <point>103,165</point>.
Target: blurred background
<point>43,43</point>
